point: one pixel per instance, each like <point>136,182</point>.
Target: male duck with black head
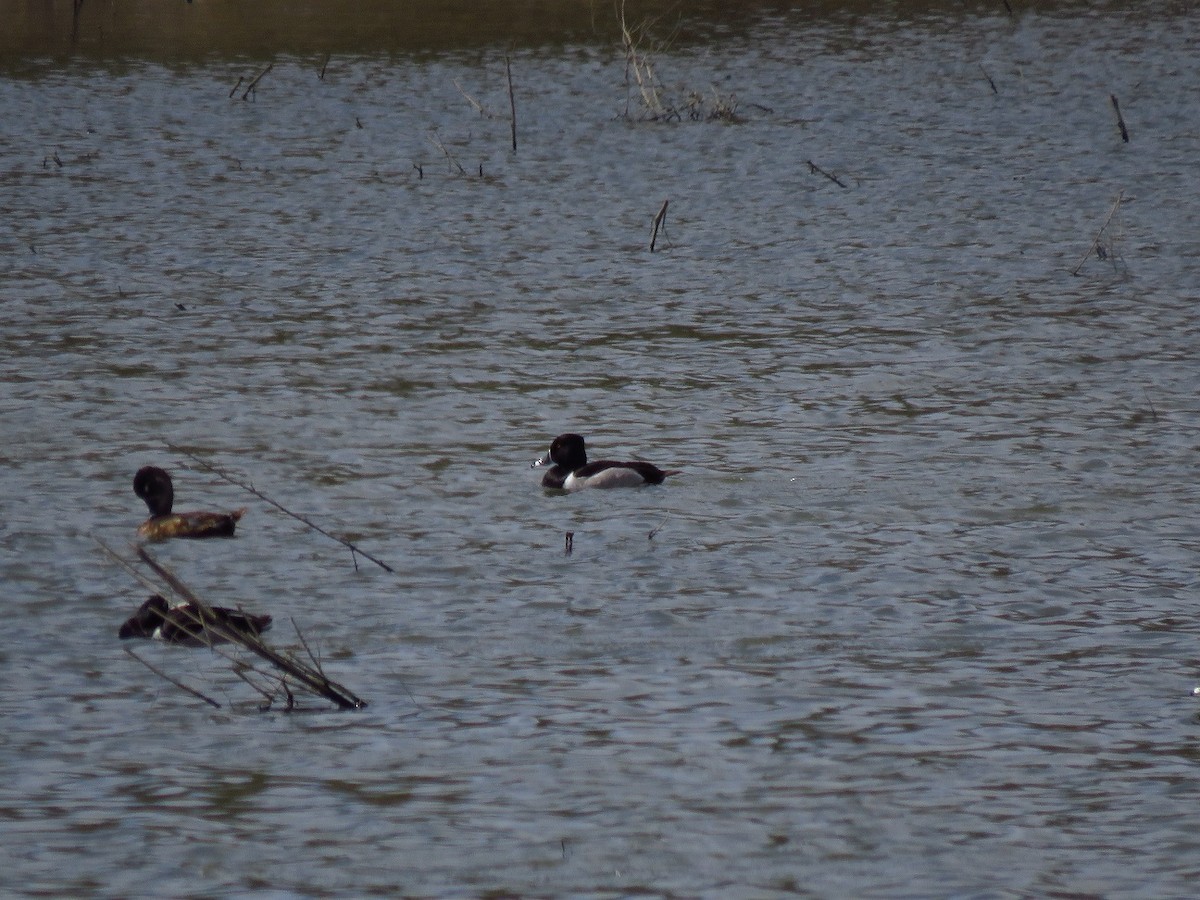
<point>153,485</point>
<point>190,624</point>
<point>571,471</point>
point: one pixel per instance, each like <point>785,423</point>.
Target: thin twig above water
<point>1100,234</point>
<point>354,548</point>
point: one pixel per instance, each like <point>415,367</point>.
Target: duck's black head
<point>153,485</point>
<point>566,450</point>
<point>143,622</point>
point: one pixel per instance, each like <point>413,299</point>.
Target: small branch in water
<point>1153,411</point>
<point>1120,119</point>
<point>236,86</point>
<point>261,496</point>
<point>989,79</point>
<point>324,65</point>
<point>420,171</point>
<point>449,156</point>
<point>304,643</point>
<point>657,528</point>
<point>817,170</point>
<point>512,101</point>
<point>474,103</point>
<point>1096,241</point>
<point>257,78</point>
<point>179,684</point>
<point>660,221</point>
<point>241,671</point>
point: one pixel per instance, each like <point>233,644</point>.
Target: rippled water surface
<point>915,620</point>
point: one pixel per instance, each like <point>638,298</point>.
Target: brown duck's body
<point>154,486</point>
<point>190,525</point>
<point>190,624</point>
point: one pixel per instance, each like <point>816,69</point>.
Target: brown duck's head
<point>153,485</point>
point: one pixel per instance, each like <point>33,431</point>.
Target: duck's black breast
<point>555,477</point>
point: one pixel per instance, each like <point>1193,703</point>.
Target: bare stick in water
<point>474,103</point>
<point>179,684</point>
<point>512,101</point>
<point>260,495</point>
<point>813,167</point>
<point>437,142</point>
<point>257,78</point>
<point>1096,242</point>
<point>236,86</point>
<point>989,78</point>
<point>1120,118</point>
<point>324,65</point>
<point>659,222</point>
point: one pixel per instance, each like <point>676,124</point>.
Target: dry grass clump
<point>647,99</point>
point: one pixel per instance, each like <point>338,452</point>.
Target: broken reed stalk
<point>1120,119</point>
<point>257,78</point>
<point>129,567</point>
<point>512,100</point>
<point>449,156</point>
<point>304,643</point>
<point>1153,411</point>
<point>1099,234</point>
<point>989,78</point>
<point>240,672</point>
<point>236,86</point>
<point>475,103</point>
<point>312,678</point>
<point>659,222</point>
<point>179,684</point>
<point>657,528</point>
<point>324,65</point>
<point>260,495</point>
<point>817,170</point>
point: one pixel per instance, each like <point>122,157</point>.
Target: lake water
<point>916,618</point>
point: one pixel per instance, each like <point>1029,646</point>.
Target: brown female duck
<point>153,485</point>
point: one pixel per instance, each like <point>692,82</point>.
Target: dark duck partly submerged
<point>571,471</point>
<point>191,625</point>
<point>153,485</point>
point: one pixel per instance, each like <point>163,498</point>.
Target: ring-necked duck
<point>189,624</point>
<point>153,485</point>
<point>571,470</point>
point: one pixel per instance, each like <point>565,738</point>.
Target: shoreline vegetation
<point>192,30</point>
<point>175,31</point>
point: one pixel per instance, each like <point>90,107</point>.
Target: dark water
<point>916,620</point>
